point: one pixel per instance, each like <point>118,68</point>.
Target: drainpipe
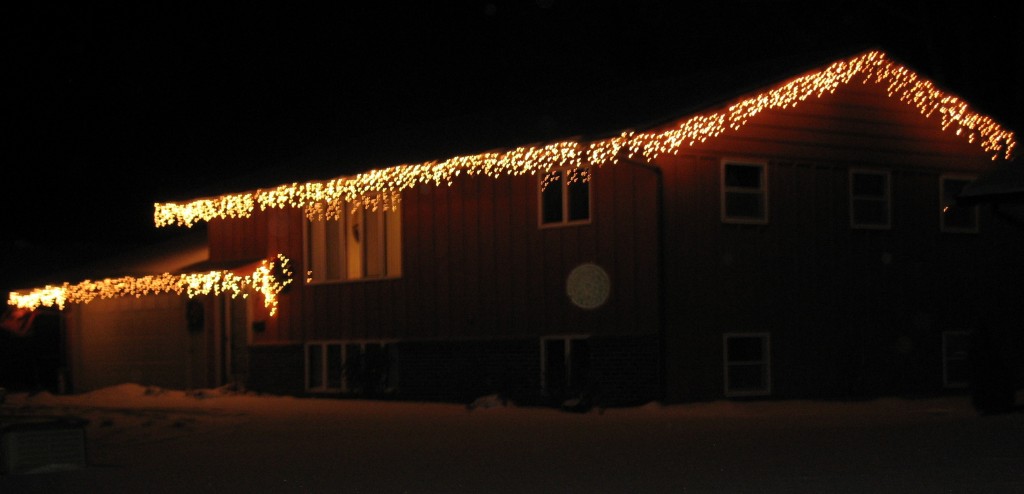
<point>660,282</point>
<point>63,374</point>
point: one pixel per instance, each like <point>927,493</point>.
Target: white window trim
<point>323,388</point>
<point>724,191</point>
<point>324,344</point>
<point>567,356</point>
<point>942,205</point>
<point>945,361</point>
<point>391,274</point>
<point>887,199</point>
<point>565,201</point>
<point>767,362</point>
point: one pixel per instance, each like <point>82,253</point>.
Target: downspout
<point>660,281</point>
<point>63,367</point>
<point>663,338</point>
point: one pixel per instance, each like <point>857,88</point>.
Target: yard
<point>155,440</point>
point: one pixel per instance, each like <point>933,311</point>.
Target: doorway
<point>233,337</point>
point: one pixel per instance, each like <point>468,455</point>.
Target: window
<point>747,364</point>
<point>744,192</point>
<point>869,199</point>
<point>956,219</point>
<point>361,244</point>
<point>565,197</point>
<point>361,368</point>
<point>955,371</point>
<point>564,365</point>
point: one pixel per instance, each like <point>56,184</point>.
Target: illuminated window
<point>565,365</point>
<point>564,198</point>
<point>869,199</point>
<point>956,219</point>
<point>360,368</point>
<point>955,371</point>
<point>744,192</point>
<point>747,359</point>
<point>359,245</point>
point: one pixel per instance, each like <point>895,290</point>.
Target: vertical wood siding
<point>475,264</point>
<point>840,303</point>
<point>859,124</point>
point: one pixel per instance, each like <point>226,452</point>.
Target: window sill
<point>358,280</point>
<point>565,224</point>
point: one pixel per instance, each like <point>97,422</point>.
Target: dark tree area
<point>33,362</point>
<point>992,382</point>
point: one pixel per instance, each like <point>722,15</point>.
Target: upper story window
<point>564,197</point>
<point>361,244</point>
<point>956,219</point>
<point>744,192</point>
<point>870,199</point>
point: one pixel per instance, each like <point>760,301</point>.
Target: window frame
<point>887,199</point>
<point>391,246</point>
<point>344,379</point>
<point>726,190</point>
<point>765,362</point>
<point>946,383</point>
<point>545,388</point>
<point>945,202</point>
<point>563,183</point>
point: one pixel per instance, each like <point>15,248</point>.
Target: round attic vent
<point>588,286</point>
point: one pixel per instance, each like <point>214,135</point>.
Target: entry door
<point>234,339</point>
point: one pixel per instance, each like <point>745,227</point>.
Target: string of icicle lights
<point>380,188</point>
<point>268,279</point>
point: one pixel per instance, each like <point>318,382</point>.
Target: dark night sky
<point>108,110</point>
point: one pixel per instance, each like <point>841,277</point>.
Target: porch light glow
<point>380,188</point>
<point>262,280</point>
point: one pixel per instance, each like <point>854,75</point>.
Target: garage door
<point>135,340</point>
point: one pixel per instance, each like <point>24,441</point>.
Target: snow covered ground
<point>152,440</point>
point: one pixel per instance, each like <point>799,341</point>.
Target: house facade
<point>799,241</point>
<point>462,291</point>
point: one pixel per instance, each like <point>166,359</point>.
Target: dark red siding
<point>850,311</point>
<point>475,264</point>
<point>859,124</point>
<point>841,304</point>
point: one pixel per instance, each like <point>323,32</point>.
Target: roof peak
<point>379,187</point>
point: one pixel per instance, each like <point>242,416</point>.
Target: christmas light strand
<point>380,188</point>
<point>268,279</point>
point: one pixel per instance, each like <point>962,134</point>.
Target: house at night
<point>802,240</point>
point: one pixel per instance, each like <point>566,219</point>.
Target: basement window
<point>955,370</point>
<point>565,366</point>
<point>364,368</point>
<point>747,358</point>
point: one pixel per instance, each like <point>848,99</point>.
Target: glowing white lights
<point>269,279</point>
<point>381,187</point>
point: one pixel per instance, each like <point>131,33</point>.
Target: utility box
<point>41,444</point>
